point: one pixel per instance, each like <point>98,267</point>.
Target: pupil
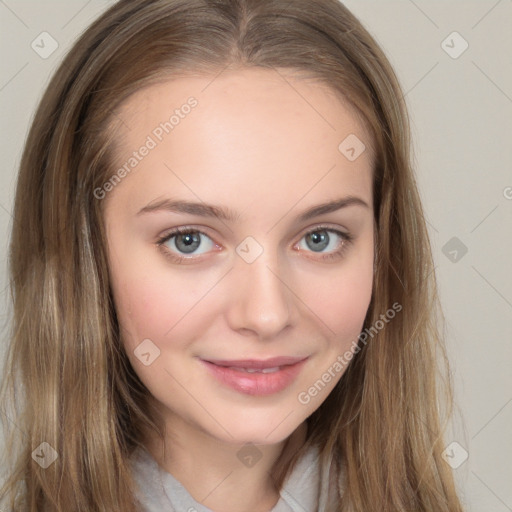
<point>190,241</point>
<point>318,237</point>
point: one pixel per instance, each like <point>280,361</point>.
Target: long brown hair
<point>68,381</point>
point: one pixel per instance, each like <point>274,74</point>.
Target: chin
<point>264,433</point>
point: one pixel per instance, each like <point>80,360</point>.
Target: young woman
<point>224,297</point>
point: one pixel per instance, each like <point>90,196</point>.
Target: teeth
<point>255,370</point>
<point>270,370</point>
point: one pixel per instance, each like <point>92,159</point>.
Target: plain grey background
<point>453,59</point>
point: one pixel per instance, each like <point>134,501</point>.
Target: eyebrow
<point>221,213</point>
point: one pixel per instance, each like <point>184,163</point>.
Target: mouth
<point>256,377</point>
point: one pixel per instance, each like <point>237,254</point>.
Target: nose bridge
<point>261,301</point>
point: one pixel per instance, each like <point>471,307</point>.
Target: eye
<point>323,237</point>
<point>181,244</point>
<point>185,241</point>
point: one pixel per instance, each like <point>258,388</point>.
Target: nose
<point>261,303</point>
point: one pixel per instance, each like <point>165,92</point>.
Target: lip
<point>257,383</point>
<point>258,364</point>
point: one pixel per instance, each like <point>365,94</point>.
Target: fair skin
<point>269,152</point>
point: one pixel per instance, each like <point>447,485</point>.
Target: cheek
<point>342,298</point>
<point>165,307</point>
<point>149,307</point>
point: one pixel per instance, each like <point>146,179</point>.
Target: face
<point>241,324</point>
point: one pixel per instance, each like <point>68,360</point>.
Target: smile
<point>257,378</point>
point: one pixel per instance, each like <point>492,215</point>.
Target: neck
<point>219,476</point>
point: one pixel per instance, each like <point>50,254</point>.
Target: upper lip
<point>257,364</point>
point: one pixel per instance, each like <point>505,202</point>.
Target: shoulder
<point>149,490</point>
<point>301,488</point>
<point>318,480</point>
<point>314,483</point>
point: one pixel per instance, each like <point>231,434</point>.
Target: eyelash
<point>346,238</point>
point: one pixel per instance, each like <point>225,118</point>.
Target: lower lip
<point>257,383</point>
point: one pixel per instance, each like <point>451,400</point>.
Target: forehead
<point>246,128</point>
<point>234,93</point>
